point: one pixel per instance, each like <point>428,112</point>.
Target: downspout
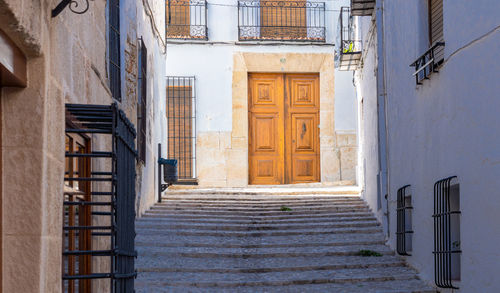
<point>381,113</point>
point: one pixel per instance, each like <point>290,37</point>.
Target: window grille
<point>99,197</point>
<point>404,230</point>
<point>446,232</point>
<point>281,20</point>
<point>142,102</point>
<point>181,118</point>
<point>114,49</point>
<point>186,19</point>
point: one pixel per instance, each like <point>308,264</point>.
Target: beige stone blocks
<point>348,154</point>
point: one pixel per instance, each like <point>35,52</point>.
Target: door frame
<point>245,62</point>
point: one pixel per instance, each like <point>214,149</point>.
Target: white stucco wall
<point>444,127</point>
<point>211,63</point>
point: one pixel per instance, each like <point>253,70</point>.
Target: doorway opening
<point>283,119</point>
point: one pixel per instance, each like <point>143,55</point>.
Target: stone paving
<point>249,242</point>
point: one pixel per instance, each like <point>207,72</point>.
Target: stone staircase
<point>194,242</point>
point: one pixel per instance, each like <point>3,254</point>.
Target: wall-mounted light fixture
<point>76,6</point>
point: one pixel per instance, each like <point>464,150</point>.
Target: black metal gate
<point>109,199</point>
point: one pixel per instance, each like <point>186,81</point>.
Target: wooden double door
<point>283,116</point>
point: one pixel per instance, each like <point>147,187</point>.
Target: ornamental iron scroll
<point>76,6</point>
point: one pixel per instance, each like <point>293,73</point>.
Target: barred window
<point>114,49</point>
<point>186,19</point>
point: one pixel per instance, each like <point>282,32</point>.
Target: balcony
<point>186,19</point>
<point>429,62</point>
<point>349,48</point>
<point>362,7</point>
<point>281,21</point>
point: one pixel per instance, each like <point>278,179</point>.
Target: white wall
<point>447,126</point>
<point>211,63</point>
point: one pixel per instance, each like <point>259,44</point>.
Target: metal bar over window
<point>186,19</point>
<point>404,230</point>
<point>269,20</point>
<point>181,118</point>
<point>446,234</point>
<point>99,197</point>
<point>429,62</point>
<point>114,49</point>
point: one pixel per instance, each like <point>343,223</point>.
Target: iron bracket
<point>74,5</point>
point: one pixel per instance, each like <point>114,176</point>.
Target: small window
<point>181,118</point>
<point>186,19</point>
<point>76,214</point>
<point>447,244</point>
<point>142,99</point>
<point>404,230</point>
<point>114,49</point>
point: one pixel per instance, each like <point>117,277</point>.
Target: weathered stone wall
<point>66,58</point>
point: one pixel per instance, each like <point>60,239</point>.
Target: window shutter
<point>435,21</point>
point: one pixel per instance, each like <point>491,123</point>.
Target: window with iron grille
<point>404,230</point>
<point>142,99</point>
<point>285,20</point>
<point>186,19</point>
<point>114,49</point>
<point>446,216</point>
<point>181,118</point>
<point>430,61</point>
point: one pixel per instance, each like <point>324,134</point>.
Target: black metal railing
<point>404,230</point>
<point>181,119</point>
<point>281,21</point>
<point>186,19</point>
<point>446,233</point>
<point>349,47</point>
<point>429,62</point>
<point>362,7</point>
<point>109,199</point>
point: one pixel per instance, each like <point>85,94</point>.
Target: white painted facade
<point>445,127</point>
<point>211,62</point>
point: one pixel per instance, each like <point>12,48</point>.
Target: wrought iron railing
<point>186,19</point>
<point>429,62</point>
<point>103,191</point>
<point>446,233</point>
<point>349,46</point>
<point>362,7</point>
<point>404,230</point>
<point>281,21</point>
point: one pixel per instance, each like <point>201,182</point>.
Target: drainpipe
<point>381,113</point>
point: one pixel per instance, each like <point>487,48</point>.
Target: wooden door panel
<point>302,132</point>
<point>266,129</point>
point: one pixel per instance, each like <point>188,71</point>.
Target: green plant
<point>285,209</point>
<point>364,252</point>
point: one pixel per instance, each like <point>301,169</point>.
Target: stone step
<point>305,202</point>
<point>310,231</point>
<point>258,253</point>
<point>235,280</point>
<point>164,239</point>
<point>257,214</point>
<point>259,265</point>
<point>248,227</point>
<point>263,208</point>
<point>254,192</point>
<point>394,286</point>
<point>281,216</point>
<point>223,221</point>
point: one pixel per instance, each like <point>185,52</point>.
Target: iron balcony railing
<point>349,47</point>
<point>362,7</point>
<point>429,62</point>
<point>186,19</point>
<point>446,233</point>
<point>404,221</point>
<point>281,21</point>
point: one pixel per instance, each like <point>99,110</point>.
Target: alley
<point>273,240</point>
